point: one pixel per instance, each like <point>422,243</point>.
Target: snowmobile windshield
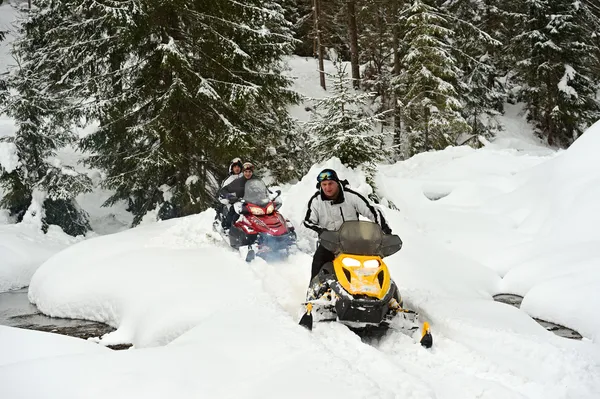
<point>360,238</point>
<point>255,192</point>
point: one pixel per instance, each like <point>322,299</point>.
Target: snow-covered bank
<point>165,279</point>
<point>557,204</point>
<point>23,248</point>
<point>219,320</point>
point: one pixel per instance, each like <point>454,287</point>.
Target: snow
<point>9,159</point>
<point>167,288</point>
<point>513,216</point>
<point>17,345</point>
<point>35,212</point>
<point>23,248</point>
<point>563,85</point>
<point>557,204</point>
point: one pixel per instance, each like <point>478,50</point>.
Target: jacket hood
<point>235,161</point>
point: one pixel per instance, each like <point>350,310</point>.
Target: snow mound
<point>556,206</point>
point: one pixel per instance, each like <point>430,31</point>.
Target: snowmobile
<point>260,229</point>
<point>356,288</point>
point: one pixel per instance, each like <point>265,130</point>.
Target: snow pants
<point>320,257</point>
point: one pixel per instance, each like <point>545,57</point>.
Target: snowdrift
<point>556,270</point>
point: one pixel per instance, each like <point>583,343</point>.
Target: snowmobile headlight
<point>350,262</point>
<point>257,211</point>
<point>371,263</point>
<point>270,209</point>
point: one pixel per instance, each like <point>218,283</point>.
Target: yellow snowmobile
<point>356,288</point>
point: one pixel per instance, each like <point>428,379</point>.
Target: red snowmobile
<point>260,229</point>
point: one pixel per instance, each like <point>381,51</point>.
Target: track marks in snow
<point>367,360</point>
<point>481,363</point>
<point>452,370</point>
<point>286,282</point>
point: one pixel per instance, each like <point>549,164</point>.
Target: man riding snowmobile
<point>356,288</point>
<point>331,206</point>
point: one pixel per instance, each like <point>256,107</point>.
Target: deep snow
<point>169,284</point>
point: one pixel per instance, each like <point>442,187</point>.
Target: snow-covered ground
<point>200,317</point>
<point>513,217</point>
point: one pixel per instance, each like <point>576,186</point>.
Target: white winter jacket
<point>230,179</point>
<point>325,214</point>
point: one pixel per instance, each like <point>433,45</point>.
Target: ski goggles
<point>325,176</point>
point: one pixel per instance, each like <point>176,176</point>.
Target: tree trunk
<point>396,45</point>
<point>319,41</point>
<point>353,36</point>
<point>426,145</point>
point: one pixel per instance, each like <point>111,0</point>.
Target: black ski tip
<point>307,321</point>
<point>427,340</point>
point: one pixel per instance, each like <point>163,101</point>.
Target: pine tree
<point>342,127</point>
<point>291,159</point>
<point>299,14</point>
<point>39,112</point>
<point>178,87</point>
<point>377,49</point>
<point>477,52</point>
<point>557,58</point>
<point>431,102</point>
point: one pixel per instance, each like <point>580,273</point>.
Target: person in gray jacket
<point>331,206</point>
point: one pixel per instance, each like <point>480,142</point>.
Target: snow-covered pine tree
<point>377,53</point>
<point>292,158</point>
<point>341,125</point>
<point>558,57</point>
<point>477,52</point>
<point>299,13</point>
<point>503,20</point>
<point>39,110</point>
<point>430,98</point>
<point>179,88</point>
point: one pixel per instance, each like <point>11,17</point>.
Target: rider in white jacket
<point>331,206</point>
<point>235,172</point>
